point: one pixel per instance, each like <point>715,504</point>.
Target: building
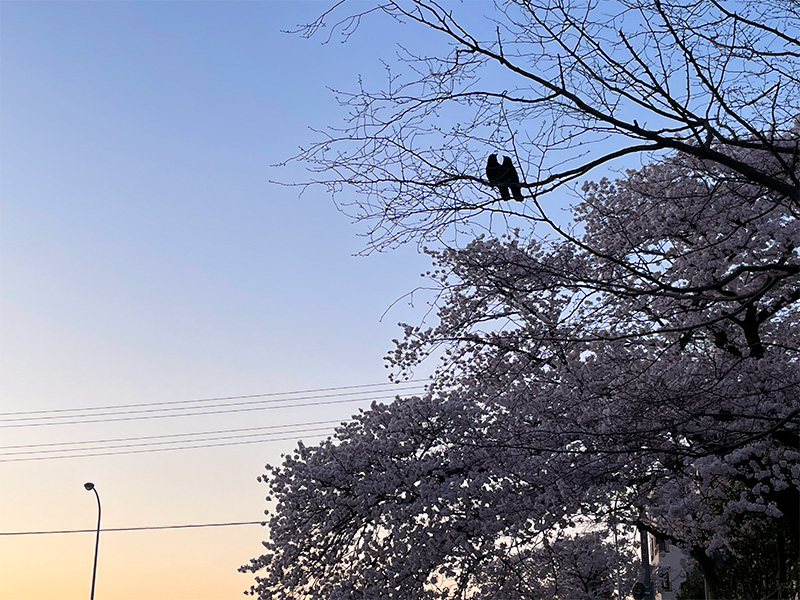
<point>667,567</point>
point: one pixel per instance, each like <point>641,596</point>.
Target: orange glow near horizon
<point>140,491</point>
<point>197,563</point>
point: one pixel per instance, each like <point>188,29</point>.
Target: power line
<point>187,408</point>
<point>150,450</point>
<point>195,414</point>
<point>363,386</point>
<point>302,429</point>
<point>152,410</point>
<point>163,436</point>
<point>148,528</point>
<point>137,415</point>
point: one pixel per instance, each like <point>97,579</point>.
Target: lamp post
<point>90,487</point>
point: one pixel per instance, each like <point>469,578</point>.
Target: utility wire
<point>175,408</point>
<point>149,450</point>
<point>162,442</point>
<point>163,436</point>
<point>188,408</point>
<point>224,409</point>
<point>149,528</point>
<point>363,386</point>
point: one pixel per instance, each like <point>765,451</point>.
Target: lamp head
<point>89,486</point>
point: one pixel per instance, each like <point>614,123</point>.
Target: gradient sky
<point>146,258</point>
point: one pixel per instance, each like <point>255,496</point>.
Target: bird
<point>495,175</point>
<point>504,177</point>
<point>512,178</point>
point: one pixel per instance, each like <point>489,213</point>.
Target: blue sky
<point>146,257</point>
<point>137,143</point>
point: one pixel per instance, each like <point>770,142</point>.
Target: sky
<point>146,259</point>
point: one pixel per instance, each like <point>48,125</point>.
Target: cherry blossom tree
<point>423,499</point>
<point>636,367</point>
<point>562,87</point>
<point>685,394</point>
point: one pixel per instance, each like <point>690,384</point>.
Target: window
<point>664,579</point>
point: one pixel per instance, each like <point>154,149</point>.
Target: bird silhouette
<point>504,177</point>
<point>494,173</point>
<point>512,178</point>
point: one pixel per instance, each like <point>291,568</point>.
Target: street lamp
<point>90,487</point>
